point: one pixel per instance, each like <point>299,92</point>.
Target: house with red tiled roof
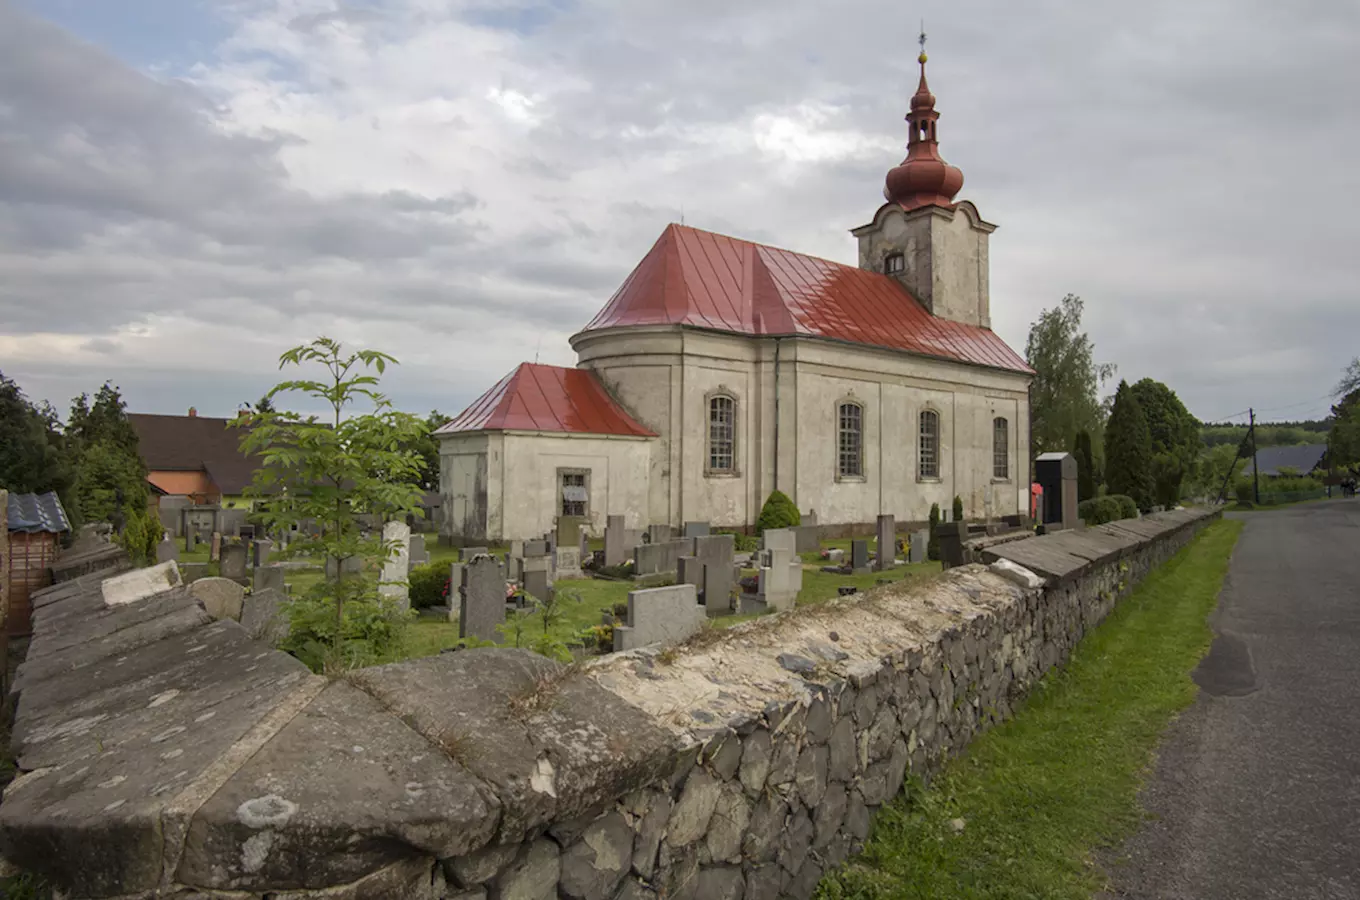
<point>722,369</point>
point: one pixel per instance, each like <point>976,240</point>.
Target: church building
<point>722,370</point>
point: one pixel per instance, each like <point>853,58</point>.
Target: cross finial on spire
<point>922,41</point>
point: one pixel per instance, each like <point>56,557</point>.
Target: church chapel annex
<point>723,369</point>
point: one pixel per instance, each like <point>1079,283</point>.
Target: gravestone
<point>920,542</point>
<point>215,552</point>
<point>267,577</point>
<point>536,581</point>
<point>568,532</point>
<point>190,540</point>
<point>951,536</point>
<point>190,572</point>
<point>664,615</point>
<point>482,605</point>
<point>234,562</point>
<point>697,529</point>
<point>780,579</point>
<point>166,551</point>
<point>779,539</point>
<point>260,552</point>
<point>859,556</point>
<point>886,552</point>
<point>455,597</point>
<point>807,538</point>
<point>659,534</point>
<point>419,556</point>
<point>716,553</point>
<point>655,559</point>
<point>221,597</point>
<point>808,518</point>
<point>690,570</point>
<point>264,616</point>
<point>467,554</point>
<point>351,565</point>
<point>566,562</point>
<point>392,585</point>
<point>835,555</point>
<point>1056,473</point>
<point>616,549</point>
<point>535,548</point>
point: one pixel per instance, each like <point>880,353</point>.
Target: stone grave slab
<point>885,544</point>
<point>1040,557</point>
<point>234,562</point>
<point>566,562</point>
<point>215,551</point>
<point>696,529</point>
<point>859,556</point>
<point>655,559</point>
<point>537,581</point>
<point>664,615</point>
<point>779,539</point>
<point>467,554</point>
<point>191,572</point>
<point>266,577</point>
<point>616,546</point>
<point>920,544</point>
<point>807,538</point>
<point>780,579</point>
<point>221,597</point>
<point>482,604</point>
<point>535,548</point>
<point>393,585</point>
<point>166,551</point>
<point>264,615</point>
<point>259,551</point>
<point>419,555</point>
<point>690,570</point>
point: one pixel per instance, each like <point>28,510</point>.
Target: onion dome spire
<point>923,178</point>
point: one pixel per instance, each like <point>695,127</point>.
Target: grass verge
<point>1038,796</point>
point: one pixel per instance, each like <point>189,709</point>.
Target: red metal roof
<point>707,280</point>
<point>547,398</point>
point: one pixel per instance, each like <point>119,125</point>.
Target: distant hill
<point>1268,434</point>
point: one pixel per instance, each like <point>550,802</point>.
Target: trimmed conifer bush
<point>778,512</point>
<point>1086,466</point>
<point>933,546</point>
<point>958,508</point>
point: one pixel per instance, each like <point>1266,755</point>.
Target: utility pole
<point>1255,469</point>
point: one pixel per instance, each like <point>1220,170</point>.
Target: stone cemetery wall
<point>165,753</point>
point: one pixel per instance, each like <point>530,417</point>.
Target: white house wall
<point>469,485</point>
<point>617,480</point>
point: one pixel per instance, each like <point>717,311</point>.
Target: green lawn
<point>1041,794</point>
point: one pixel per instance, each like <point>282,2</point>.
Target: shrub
<point>958,508</point>
<point>374,629</point>
<point>933,548</point>
<point>743,543</point>
<point>1128,508</point>
<point>778,512</point>
<point>1099,510</point>
<point>429,585</point>
<point>141,534</point>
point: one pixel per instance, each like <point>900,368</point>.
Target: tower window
<point>894,264</point>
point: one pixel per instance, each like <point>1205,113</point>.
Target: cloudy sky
<point>188,187</point>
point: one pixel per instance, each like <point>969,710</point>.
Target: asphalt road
<point>1256,791</point>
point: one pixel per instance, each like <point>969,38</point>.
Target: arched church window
<point>722,434</point>
<point>929,459</point>
<point>894,263</point>
<point>850,440</point>
<point>1001,448</point>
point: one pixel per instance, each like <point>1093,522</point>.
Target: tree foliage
<point>1175,439</point>
<point>110,475</point>
<point>1343,441</point>
<point>33,453</point>
<point>1086,466</point>
<point>332,479</point>
<point>1064,394</point>
<point>1268,434</point>
<point>1128,449</point>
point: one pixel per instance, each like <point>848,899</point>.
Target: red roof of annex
<point>707,280</point>
<point>548,398</point>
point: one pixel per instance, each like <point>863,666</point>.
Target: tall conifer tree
<point>1128,449</point>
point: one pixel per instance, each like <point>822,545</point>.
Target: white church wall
<point>471,501</point>
<point>718,365</point>
<point>617,470</point>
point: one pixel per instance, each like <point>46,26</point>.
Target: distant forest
<point>1268,434</point>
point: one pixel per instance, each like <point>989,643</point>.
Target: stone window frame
<point>921,474</point>
<point>898,257</point>
<point>562,502</point>
<point>722,392</point>
<point>1001,451</point>
<point>840,432</point>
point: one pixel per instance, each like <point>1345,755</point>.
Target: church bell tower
<point>933,246</point>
